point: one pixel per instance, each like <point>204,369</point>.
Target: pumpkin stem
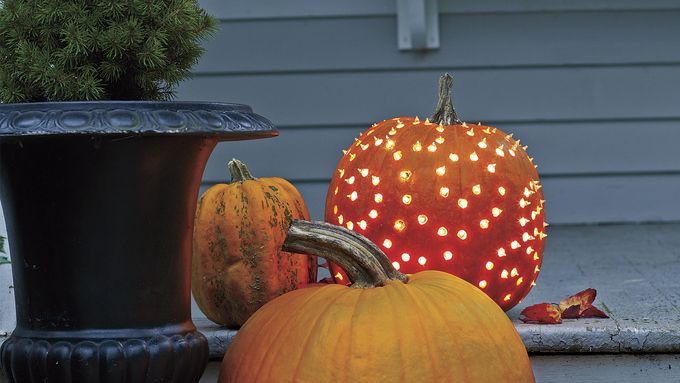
<point>445,113</point>
<point>239,171</point>
<point>365,264</point>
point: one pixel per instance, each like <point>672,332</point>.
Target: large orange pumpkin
<point>238,264</point>
<point>444,195</point>
<point>429,327</point>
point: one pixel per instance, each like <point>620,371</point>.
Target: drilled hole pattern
<point>460,198</point>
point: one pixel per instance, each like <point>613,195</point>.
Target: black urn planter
<point>99,200</point>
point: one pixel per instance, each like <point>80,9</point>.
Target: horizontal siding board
<point>273,9</point>
<point>570,200</point>
<point>559,148</point>
<point>495,94</point>
<point>331,44</point>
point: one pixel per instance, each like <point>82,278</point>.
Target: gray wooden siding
<point>590,86</point>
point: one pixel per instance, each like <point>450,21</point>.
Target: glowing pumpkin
<point>444,195</point>
<point>430,327</point>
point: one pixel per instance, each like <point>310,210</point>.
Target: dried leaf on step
<point>542,313</point>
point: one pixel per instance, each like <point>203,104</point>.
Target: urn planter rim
<point>224,121</point>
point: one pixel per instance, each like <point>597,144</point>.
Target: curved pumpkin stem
<point>365,264</point>
<point>445,113</point>
<point>239,171</point>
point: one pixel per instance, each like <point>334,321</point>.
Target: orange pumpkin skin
<point>238,264</point>
<point>465,199</point>
<point>435,328</point>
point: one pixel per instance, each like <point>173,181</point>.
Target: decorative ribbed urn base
<point>171,359</point>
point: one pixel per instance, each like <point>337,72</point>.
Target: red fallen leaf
<point>593,312</point>
<point>572,312</point>
<point>582,300</point>
<point>541,313</point>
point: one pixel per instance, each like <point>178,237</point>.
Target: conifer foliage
<point>61,50</point>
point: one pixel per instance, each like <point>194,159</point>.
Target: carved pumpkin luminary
<point>441,194</point>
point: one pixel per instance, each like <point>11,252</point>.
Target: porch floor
<point>635,270</point>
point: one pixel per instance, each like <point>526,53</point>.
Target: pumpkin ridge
<point>407,294</point>
<point>320,318</point>
<point>280,341</point>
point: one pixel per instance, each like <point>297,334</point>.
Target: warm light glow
<point>536,269</point>
<point>364,146</point>
<point>474,156</point>
<point>375,180</point>
<point>536,257</point>
<point>378,198</point>
<point>448,255</point>
<point>519,281</point>
<point>501,190</point>
<point>489,265</point>
<point>482,284</point>
<point>395,264</point>
<point>378,141</point>
<point>387,243</point>
<point>440,128</point>
<point>390,144</point>
<point>352,156</point>
<point>526,237</point>
<point>392,132</point>
<point>432,148</point>
<point>523,221</point>
<point>462,234</point>
<point>444,191</point>
<point>335,192</point>
<point>396,155</point>
<point>422,261</point>
<point>404,175</point>
<point>470,132</point>
<point>405,257</point>
<point>496,212</point>
<point>453,157</point>
<point>338,276</point>
<point>417,146</point>
<point>342,172</point>
<point>491,168</point>
<point>513,272</point>
<point>439,140</point>
<point>353,196</point>
<point>340,219</point>
<point>484,224</point>
<point>504,274</point>
<point>462,203</point>
<point>476,189</point>
<point>524,203</point>
<point>350,225</point>
<point>507,297</point>
<point>335,209</point>
<point>527,193</point>
<point>442,231</point>
<point>515,245</point>
<point>482,144</point>
<point>441,170</point>
<point>350,180</point>
<point>512,152</point>
<point>422,219</point>
<point>399,225</point>
<point>501,252</point>
<point>499,151</point>
<point>362,224</point>
<point>363,172</point>
<point>406,199</point>
<point>373,214</point>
